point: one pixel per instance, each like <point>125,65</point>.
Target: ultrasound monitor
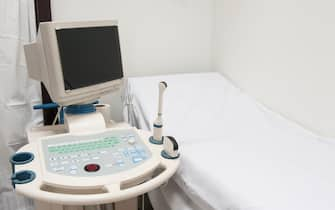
<point>77,61</point>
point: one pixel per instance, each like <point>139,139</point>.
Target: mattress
<point>236,154</point>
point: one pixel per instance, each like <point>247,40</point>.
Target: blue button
<point>119,161</point>
<point>131,149</point>
<point>133,152</point>
<point>139,150</point>
<point>125,153</point>
<point>138,147</point>
<point>137,159</point>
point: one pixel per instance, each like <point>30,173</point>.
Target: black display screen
<point>89,56</point>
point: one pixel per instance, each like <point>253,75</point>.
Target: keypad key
<point>52,158</point>
<point>73,172</point>
<point>54,164</point>
<point>65,162</point>
<point>119,161</point>
<point>116,154</point>
<point>124,138</point>
<point>131,140</point>
<point>121,150</point>
<point>59,169</point>
<point>74,156</point>
<point>137,159</point>
<point>125,153</point>
<point>75,161</point>
<point>73,167</point>
<point>109,165</point>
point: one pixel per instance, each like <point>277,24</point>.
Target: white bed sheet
<point>235,153</point>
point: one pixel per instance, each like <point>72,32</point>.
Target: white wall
<point>157,36</point>
<point>283,53</point>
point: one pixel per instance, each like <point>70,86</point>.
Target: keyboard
<point>94,155</point>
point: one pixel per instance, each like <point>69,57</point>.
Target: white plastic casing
<point>169,147</point>
<point>82,190</point>
<point>158,131</point>
<point>44,64</point>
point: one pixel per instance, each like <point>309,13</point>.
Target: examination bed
<point>236,154</point>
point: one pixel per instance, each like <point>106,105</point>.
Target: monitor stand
<point>92,120</point>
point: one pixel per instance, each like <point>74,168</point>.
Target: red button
<point>92,167</point>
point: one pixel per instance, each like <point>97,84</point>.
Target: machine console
<point>94,155</point>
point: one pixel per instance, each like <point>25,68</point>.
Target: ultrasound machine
<point>88,161</point>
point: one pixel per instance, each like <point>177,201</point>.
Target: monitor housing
<point>78,62</point>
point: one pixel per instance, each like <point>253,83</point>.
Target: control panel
<point>94,155</point>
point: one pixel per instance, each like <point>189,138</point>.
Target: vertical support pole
<point>40,205</point>
<point>74,208</point>
<point>42,14</point>
<point>130,204</point>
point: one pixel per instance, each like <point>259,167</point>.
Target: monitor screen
<point>89,56</point>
